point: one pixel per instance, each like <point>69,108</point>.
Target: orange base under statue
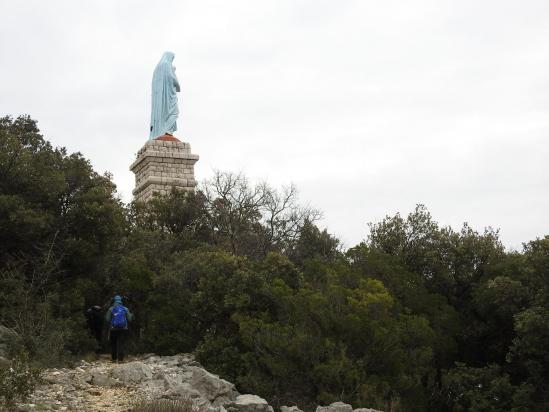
<point>168,138</point>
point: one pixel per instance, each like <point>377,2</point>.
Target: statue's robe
<point>164,98</point>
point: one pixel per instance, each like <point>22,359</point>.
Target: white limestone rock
<point>249,403</point>
<point>132,372</point>
<point>290,409</point>
<point>211,386</point>
<point>181,391</point>
<point>335,407</point>
<point>100,377</point>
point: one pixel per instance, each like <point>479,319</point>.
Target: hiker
<point>118,316</point>
<point>94,319</point>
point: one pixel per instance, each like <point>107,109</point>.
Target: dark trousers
<point>116,339</point>
<point>97,332</point>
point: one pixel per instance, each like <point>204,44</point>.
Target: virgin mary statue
<point>164,98</point>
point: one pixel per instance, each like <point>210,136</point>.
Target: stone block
<point>161,166</point>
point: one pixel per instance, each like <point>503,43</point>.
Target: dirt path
<point>80,389</point>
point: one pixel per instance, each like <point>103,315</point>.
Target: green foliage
<point>167,323</point>
<point>313,243</point>
<point>418,317</point>
<point>478,389</point>
<point>60,222</point>
<point>52,203</point>
<point>17,382</point>
<point>314,345</point>
<point>449,262</point>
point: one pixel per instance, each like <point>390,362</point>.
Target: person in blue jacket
<point>118,318</point>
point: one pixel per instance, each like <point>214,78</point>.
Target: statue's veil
<point>164,110</point>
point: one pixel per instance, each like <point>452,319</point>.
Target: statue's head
<point>167,57</point>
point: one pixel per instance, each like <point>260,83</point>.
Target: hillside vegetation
<point>418,317</point>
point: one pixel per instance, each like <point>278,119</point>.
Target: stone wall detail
<point>162,164</point>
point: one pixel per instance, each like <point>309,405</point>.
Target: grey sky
<point>368,107</point>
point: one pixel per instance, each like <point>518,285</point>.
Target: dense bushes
<point>17,381</point>
<point>60,222</point>
<point>418,317</point>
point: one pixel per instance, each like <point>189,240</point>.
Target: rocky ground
<point>104,386</point>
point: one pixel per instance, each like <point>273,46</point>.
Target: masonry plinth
<point>162,164</point>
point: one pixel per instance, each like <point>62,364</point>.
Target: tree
<point>450,262</point>
<point>59,222</point>
<point>529,354</point>
<point>252,220</point>
<point>477,389</point>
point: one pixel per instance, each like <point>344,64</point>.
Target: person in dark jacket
<point>94,319</point>
<point>118,317</point>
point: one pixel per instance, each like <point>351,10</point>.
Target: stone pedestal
<point>162,164</point>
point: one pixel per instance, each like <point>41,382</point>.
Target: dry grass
<point>165,405</point>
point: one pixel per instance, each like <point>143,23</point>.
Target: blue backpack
<point>118,318</point>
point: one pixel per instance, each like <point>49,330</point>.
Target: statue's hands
<point>176,82</point>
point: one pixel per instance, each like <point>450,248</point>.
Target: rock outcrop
<point>335,407</point>
<point>105,386</point>
<point>342,407</point>
<point>214,389</point>
<point>290,409</point>
<point>132,372</point>
<point>249,403</point>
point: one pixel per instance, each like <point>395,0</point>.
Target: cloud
<point>369,107</point>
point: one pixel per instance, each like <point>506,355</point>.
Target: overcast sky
<point>368,107</point>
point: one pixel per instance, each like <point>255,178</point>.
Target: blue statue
<point>164,98</point>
